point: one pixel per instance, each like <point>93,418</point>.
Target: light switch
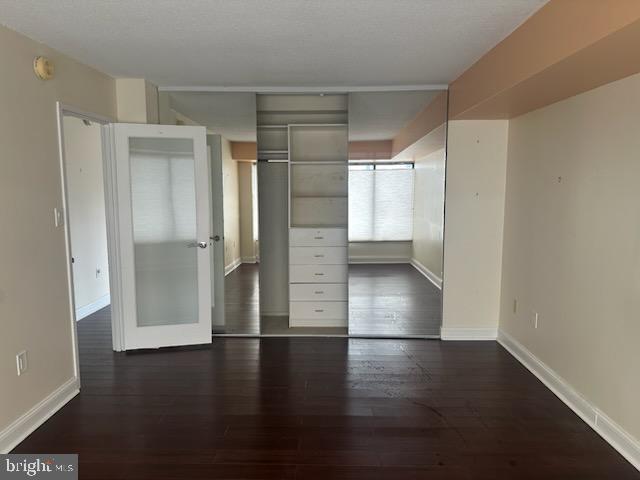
<point>21,362</point>
<point>58,217</point>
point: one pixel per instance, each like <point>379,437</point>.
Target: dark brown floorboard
<point>309,408</point>
<point>392,299</point>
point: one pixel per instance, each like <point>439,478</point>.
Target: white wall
<point>231,206</point>
<point>572,244</point>
<point>428,212</point>
<point>34,294</point>
<point>87,221</point>
<point>474,214</point>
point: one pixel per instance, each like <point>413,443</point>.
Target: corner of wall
<point>474,222</point>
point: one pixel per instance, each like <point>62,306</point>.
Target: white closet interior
<point>308,135</point>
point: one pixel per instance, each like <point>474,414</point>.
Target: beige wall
<point>231,205</point>
<point>476,164</point>
<point>571,243</point>
<point>87,221</point>
<point>245,211</point>
<point>428,211</point>
<point>137,101</point>
<point>34,298</point>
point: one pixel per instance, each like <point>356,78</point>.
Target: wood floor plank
<point>303,408</point>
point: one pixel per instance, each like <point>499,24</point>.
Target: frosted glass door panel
<point>163,204</point>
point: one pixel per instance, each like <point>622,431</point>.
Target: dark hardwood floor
<point>384,299</point>
<point>318,408</point>
<point>392,299</point>
<point>242,301</point>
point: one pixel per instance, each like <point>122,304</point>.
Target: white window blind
<point>163,197</point>
<point>380,202</point>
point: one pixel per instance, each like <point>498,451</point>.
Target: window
<point>380,202</point>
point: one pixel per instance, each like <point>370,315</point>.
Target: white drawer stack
<point>318,277</point>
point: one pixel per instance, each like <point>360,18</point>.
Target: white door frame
<point>63,110</point>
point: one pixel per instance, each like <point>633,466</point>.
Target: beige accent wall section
<point>87,221</point>
<point>370,150</point>
<point>245,192</point>
<point>434,115</point>
<point>561,50</point>
<point>361,150</point>
<point>231,206</point>
<point>476,165</point>
<point>428,212</point>
<point>137,101</point>
<point>34,297</point>
<point>244,151</point>
<point>571,244</point>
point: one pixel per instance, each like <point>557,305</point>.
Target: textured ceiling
<point>272,42</point>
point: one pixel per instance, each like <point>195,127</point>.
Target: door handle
<point>215,238</point>
<point>197,244</point>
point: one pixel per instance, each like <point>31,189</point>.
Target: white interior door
<point>161,192</point>
<point>214,144</point>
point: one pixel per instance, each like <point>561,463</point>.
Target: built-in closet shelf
<point>273,155</point>
<point>318,143</point>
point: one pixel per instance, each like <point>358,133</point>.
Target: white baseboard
<point>22,427</point>
<point>93,307</point>
<point>232,266</point>
<point>447,333</point>
<point>249,259</point>
<point>377,259</point>
<point>433,278</point>
<point>614,434</point>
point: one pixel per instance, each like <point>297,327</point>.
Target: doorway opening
<point>84,217</point>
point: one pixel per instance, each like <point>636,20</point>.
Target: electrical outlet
<point>515,305</point>
<point>21,362</point>
<point>535,320</point>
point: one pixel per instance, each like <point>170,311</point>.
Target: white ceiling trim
<point>302,89</point>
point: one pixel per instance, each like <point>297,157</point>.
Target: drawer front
<point>318,237</point>
<point>318,310</point>
<point>318,274</point>
<point>318,255</point>
<point>305,292</point>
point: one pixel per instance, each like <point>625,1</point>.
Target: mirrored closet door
<point>396,212</point>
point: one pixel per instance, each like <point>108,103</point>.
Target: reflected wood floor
<point>392,299</point>
<point>384,299</point>
<point>318,408</point>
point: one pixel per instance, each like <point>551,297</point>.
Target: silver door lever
<point>197,244</point>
